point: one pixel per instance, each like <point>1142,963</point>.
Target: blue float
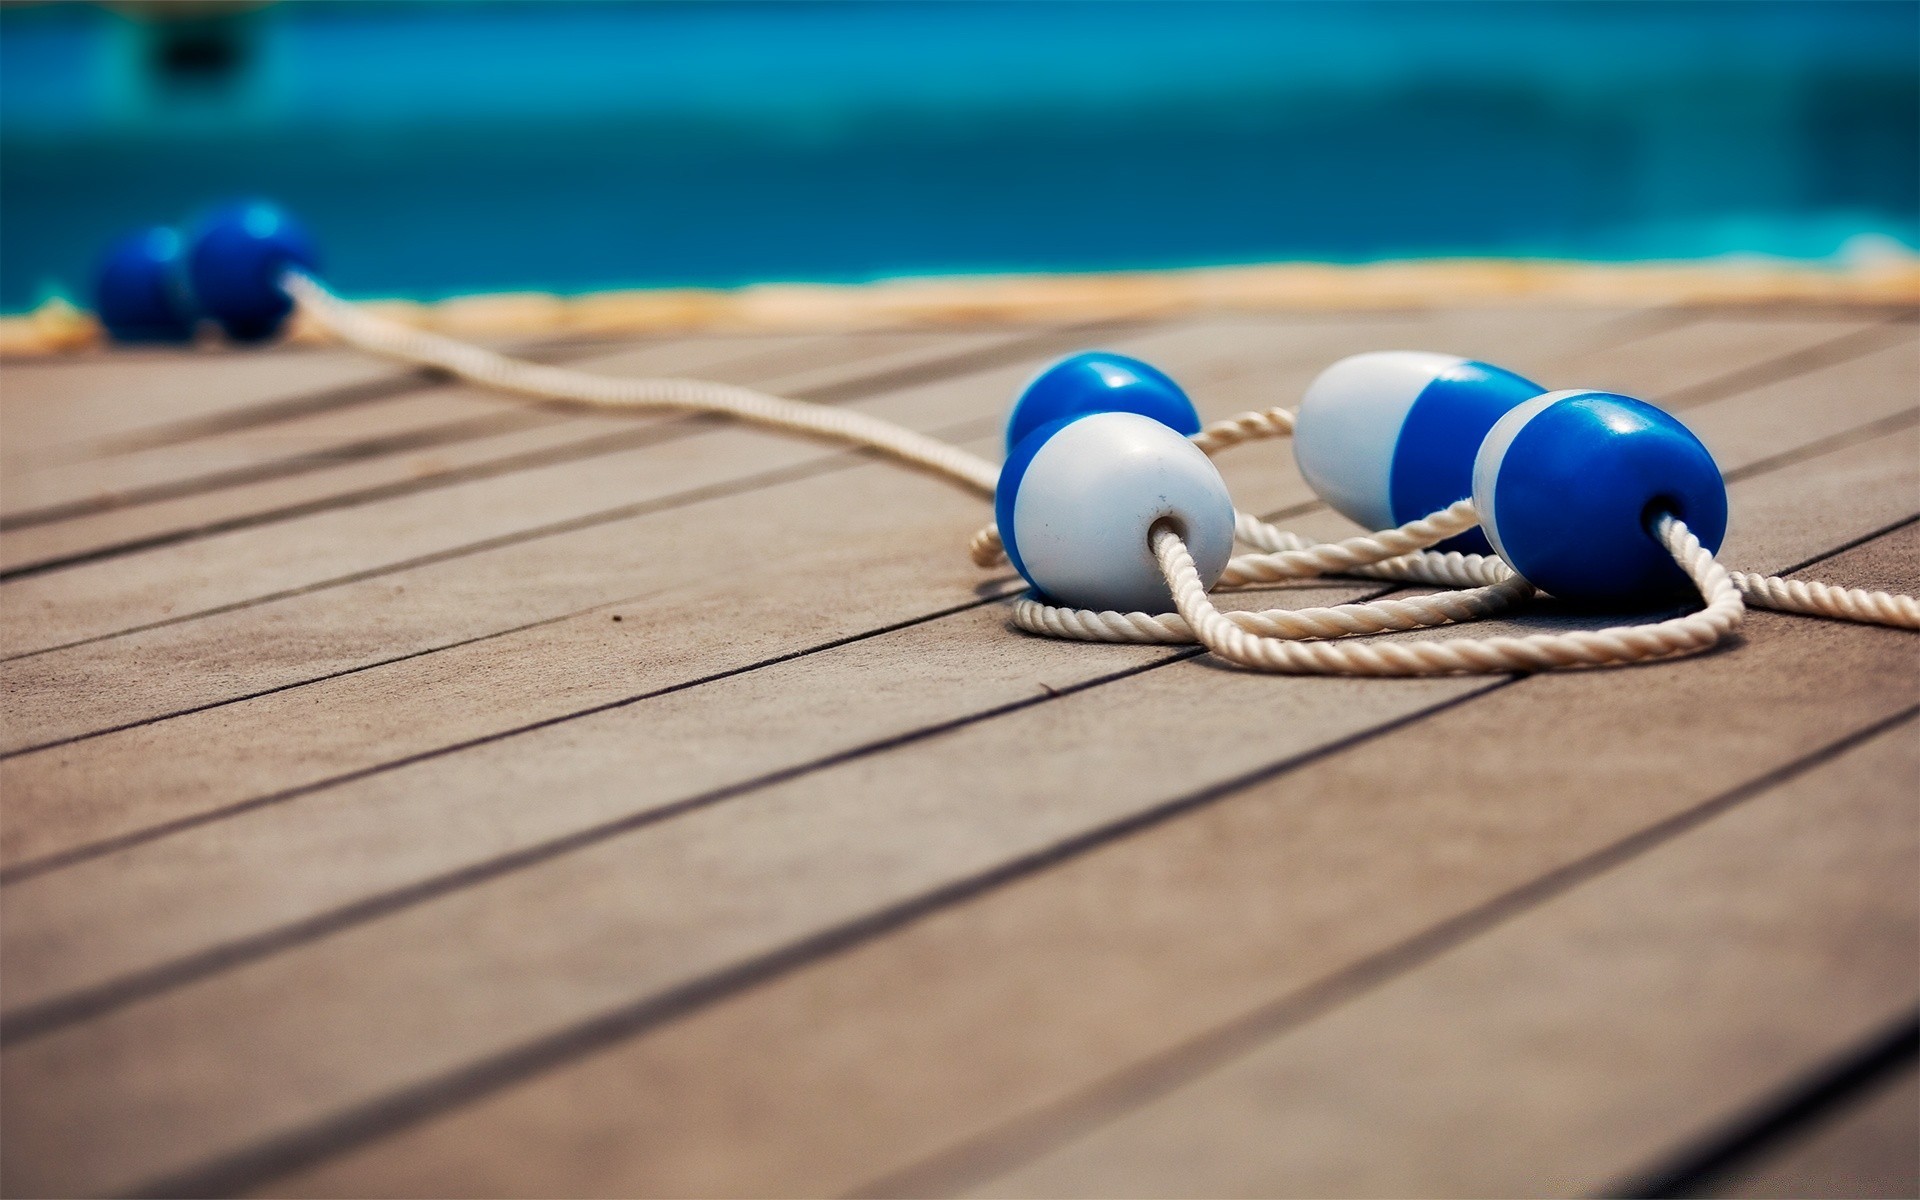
<point>1569,483</point>
<point>1078,497</point>
<point>1097,381</point>
<point>139,293</point>
<point>235,263</point>
<point>1389,437</point>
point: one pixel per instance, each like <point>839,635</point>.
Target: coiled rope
<point>1283,640</point>
<point>1233,641</point>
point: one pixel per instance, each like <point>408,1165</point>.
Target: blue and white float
<point>1568,486</point>
<point>1080,494</point>
<point>1389,437</point>
<point>1099,381</point>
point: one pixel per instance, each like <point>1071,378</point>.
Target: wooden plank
<point>297,739</point>
<point>55,492</point>
<point>99,598</point>
<point>1868,1148</point>
<point>1588,1034</point>
<point>431,439</point>
<point>500,440</point>
<point>558,569</point>
<point>72,410</point>
<point>980,1016</point>
<point>649,929</point>
<point>1688,358</point>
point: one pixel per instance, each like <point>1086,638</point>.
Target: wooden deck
<point>408,793</point>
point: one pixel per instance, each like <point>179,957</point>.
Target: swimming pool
<point>448,148</point>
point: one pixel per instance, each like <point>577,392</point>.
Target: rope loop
<point>1231,640</point>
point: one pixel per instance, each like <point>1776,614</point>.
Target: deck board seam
<point>275,1156</point>
<point>1798,1106</point>
<point>60,1011</point>
<point>426,437</point>
<point>1020,1139</point>
<point>828,463</point>
<point>1856,343</point>
<point>446,433</point>
<point>30,868</point>
<point>673,427</point>
<point>259,415</point>
<point>1832,443</point>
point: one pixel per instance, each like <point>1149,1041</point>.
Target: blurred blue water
<point>451,147</point>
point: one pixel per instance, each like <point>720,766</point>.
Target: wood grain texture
<point>100,504</point>
<point>979,1017</point>
<point>1605,1027</point>
<point>578,828</point>
<point>67,411</point>
<point>616,464</point>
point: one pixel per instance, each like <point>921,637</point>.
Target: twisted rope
<point>1338,621</point>
<point>1826,600</point>
<point>1303,561</point>
<point>1498,589</point>
<point>364,331</point>
<point>1229,640</point>
<point>1451,569</point>
<point>1246,427</point>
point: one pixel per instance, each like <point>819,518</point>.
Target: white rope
<point>1452,569</point>
<point>1398,554</point>
<point>1826,600</point>
<point>1323,558</point>
<point>1338,621</point>
<point>1230,640</point>
<point>1492,588</point>
<point>1246,427</point>
<point>389,339</point>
